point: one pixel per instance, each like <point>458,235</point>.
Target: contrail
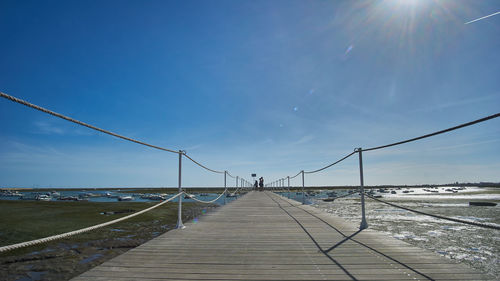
<point>482,18</point>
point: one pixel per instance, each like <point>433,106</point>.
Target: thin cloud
<point>304,139</point>
<point>48,129</point>
<point>455,103</point>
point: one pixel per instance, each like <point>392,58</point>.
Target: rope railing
<point>193,197</point>
<point>296,175</point>
<point>64,117</point>
<point>335,163</point>
<point>436,133</point>
<point>23,102</point>
<point>180,191</point>
<point>91,228</point>
<point>405,141</point>
<point>360,151</point>
<point>204,167</point>
<point>230,175</point>
<point>79,231</point>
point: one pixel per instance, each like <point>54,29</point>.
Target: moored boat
<point>43,197</point>
<point>491,204</point>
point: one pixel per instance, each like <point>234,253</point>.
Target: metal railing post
<point>364,224</point>
<point>288,187</point>
<point>179,218</point>
<point>303,193</point>
<point>225,186</point>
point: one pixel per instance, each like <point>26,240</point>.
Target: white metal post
<point>225,186</point>
<point>288,187</point>
<point>179,218</point>
<point>364,224</point>
<point>303,193</point>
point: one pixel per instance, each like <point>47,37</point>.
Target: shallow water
<point>472,245</point>
<point>100,196</point>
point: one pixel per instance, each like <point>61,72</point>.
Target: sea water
<point>111,196</point>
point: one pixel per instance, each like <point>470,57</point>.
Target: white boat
<point>125,198</point>
<point>43,197</point>
<point>54,194</point>
<point>8,193</point>
<point>153,197</point>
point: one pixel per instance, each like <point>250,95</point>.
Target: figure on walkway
<point>261,184</point>
<point>256,185</point>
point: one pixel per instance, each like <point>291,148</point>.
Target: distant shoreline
<point>171,189</point>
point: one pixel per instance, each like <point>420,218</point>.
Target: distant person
<point>261,183</point>
<point>256,185</point>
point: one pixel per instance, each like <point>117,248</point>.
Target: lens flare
<point>349,49</point>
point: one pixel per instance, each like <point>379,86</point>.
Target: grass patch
<point>29,220</point>
<point>66,258</point>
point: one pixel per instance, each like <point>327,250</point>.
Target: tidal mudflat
<point>63,259</point>
<point>472,245</point>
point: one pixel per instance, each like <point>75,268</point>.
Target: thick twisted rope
<point>207,202</point>
<point>408,140</point>
<point>68,234</point>
<point>296,175</point>
<point>206,168</point>
<point>436,133</point>
<point>23,102</point>
<point>328,166</point>
<point>230,175</point>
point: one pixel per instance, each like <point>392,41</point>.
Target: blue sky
<point>266,87</point>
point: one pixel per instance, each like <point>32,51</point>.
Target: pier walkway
<point>263,236</point>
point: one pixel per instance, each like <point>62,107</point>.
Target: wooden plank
<point>253,238</point>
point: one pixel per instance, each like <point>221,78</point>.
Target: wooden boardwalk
<point>263,236</point>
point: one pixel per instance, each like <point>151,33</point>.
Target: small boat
<point>231,195</point>
<point>329,199</point>
<point>54,194</point>
<point>311,193</point>
<point>43,197</point>
<point>482,204</point>
<point>69,198</point>
<point>393,192</point>
<point>155,197</point>
<point>189,196</point>
<point>9,193</point>
<point>125,198</point>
